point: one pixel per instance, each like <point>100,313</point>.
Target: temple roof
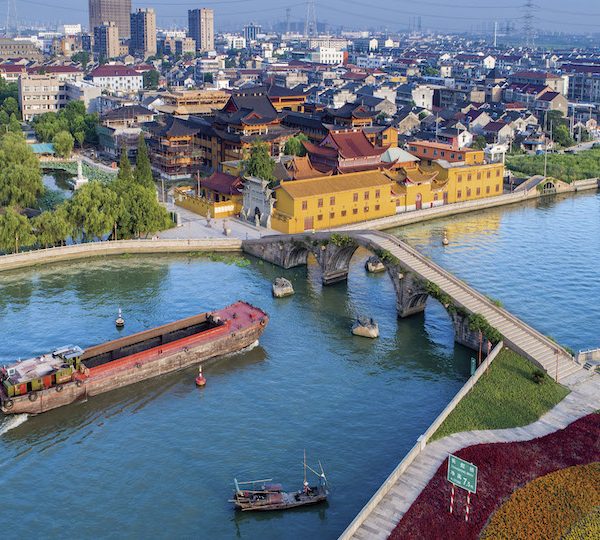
<point>301,168</point>
<point>354,144</point>
<point>351,110</point>
<point>173,127</point>
<point>334,184</point>
<point>223,183</point>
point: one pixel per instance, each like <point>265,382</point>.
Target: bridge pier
<point>464,335</point>
<point>334,261</point>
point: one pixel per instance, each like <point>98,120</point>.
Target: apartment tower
<point>117,11</point>
<point>202,28</point>
<point>106,41</point>
<point>143,32</point>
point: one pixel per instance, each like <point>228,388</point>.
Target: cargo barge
<point>71,374</point>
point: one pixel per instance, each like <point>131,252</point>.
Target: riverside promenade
<point>380,516</point>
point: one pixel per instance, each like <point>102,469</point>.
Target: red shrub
<point>503,467</point>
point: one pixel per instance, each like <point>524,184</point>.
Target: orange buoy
<point>200,379</point>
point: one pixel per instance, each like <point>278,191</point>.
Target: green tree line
<point>9,107</point>
<point>73,119</point>
<point>125,207</point>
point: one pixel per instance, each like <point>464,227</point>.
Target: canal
<point>158,459</point>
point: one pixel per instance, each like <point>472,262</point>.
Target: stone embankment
<point>118,247</point>
<point>436,212</point>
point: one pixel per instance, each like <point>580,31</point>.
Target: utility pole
<point>528,20</point>
<point>546,153</point>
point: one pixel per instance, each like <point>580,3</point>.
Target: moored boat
<point>70,373</point>
<point>262,495</point>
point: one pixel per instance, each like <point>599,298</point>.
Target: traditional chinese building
<point>343,151</point>
<point>172,149</point>
<point>218,196</point>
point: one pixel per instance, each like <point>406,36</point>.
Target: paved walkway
<point>194,226</point>
<point>583,400</point>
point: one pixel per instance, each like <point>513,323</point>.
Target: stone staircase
<point>520,337</point>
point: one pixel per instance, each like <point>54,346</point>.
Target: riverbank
<point>437,212</point>
<point>392,501</point>
<point>118,247</point>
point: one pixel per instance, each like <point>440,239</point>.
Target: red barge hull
<point>219,333</point>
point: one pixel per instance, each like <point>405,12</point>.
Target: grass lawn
<point>506,396</point>
<point>566,167</point>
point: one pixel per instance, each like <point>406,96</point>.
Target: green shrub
<point>538,376</point>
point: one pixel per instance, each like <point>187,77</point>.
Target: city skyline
<point>583,16</point>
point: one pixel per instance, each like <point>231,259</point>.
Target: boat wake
<point>246,349</point>
<point>12,423</point>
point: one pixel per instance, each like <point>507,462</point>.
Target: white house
<point>117,78</point>
<point>327,55</point>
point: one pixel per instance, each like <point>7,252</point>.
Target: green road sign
<point>462,473</point>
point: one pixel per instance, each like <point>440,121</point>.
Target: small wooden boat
<point>262,495</point>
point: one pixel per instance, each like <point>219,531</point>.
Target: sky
<point>574,16</point>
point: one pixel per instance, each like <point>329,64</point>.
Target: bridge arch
<point>415,278</point>
<point>334,252</point>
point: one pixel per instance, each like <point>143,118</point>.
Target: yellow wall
<point>289,215</point>
<point>202,206</point>
<point>467,183</point>
<point>460,183</point>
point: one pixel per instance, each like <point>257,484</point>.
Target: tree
<point>11,106</point>
<point>20,173</point>
<point>294,147</point>
<point>561,135</point>
<point>73,118</point>
<point>208,78</point>
<point>479,142</point>
<point>125,173</point>
<point>53,227</point>
<point>143,170</point>
<point>150,79</point>
<point>79,136</point>
<point>15,231</point>
<point>14,125</point>
<point>260,163</point>
<point>141,214</point>
<point>93,210</point>
<point>63,144</point>
<point>81,57</point>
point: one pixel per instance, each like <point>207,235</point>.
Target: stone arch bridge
<point>415,278</point>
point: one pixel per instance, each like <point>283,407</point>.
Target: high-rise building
<point>143,32</point>
<point>202,28</point>
<point>106,40</point>
<point>116,11</point>
<point>251,31</point>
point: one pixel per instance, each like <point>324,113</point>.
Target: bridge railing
<point>473,292</point>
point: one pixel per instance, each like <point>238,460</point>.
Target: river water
<point>158,459</point>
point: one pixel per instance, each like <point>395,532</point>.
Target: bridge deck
<point>518,335</point>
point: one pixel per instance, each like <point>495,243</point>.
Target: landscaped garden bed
<point>549,506</point>
<point>508,395</point>
<point>503,468</point>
